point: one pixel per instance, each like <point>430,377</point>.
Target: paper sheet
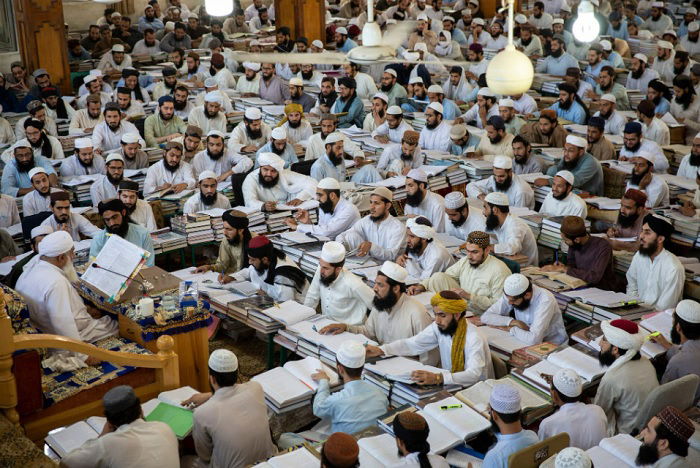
<point>378,451</point>
<point>304,368</point>
<point>282,387</point>
<point>586,366</point>
<point>118,255</point>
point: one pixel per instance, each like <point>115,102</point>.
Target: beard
<point>460,221</point>
<point>637,178</point>
<point>268,184</point>
<point>180,105</point>
<point>491,222</point>
<point>385,303</point>
<point>557,54</point>
<point>569,165</point>
<point>648,454</point>
<point>253,134</point>
<point>523,305</point>
<point>386,88</point>
<point>606,88</point>
<point>678,71</point>
<point>432,126</point>
<point>326,206</point>
<point>307,75</point>
<point>336,159</point>
<point>495,140</point>
<point>566,105</point>
<point>114,180</point>
<point>121,230</point>
<point>416,249</point>
<point>626,221</point>
<point>647,251</point>
<point>637,74</point>
<point>130,208</point>
<point>84,164</point>
<point>450,329</point>
<point>276,150</point>
<point>171,168</point>
<point>208,199</point>
<point>211,115</point>
<point>235,241</point>
<point>694,159</point>
<point>69,270</point>
<point>561,196</point>
<point>327,280</point>
<point>521,159</point>
<point>164,117</point>
<point>505,185</point>
<point>606,358</point>
<point>294,124</point>
<point>406,157</point>
<point>634,148</point>
<point>376,219</point>
<point>45,193</point>
<point>215,156</point>
<point>340,43</point>
<point>416,198</point>
<point>606,115</point>
<point>25,166</point>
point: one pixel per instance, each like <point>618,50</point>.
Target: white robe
<point>81,120</point>
<point>282,288</point>
<point>101,190</point>
<point>198,118</point>
<point>33,202</point>
<point>9,213</point>
<point>515,237</point>
<point>474,222</point>
<point>344,216</point>
<point>366,87</point>
<point>106,139</point>
<point>239,138</point>
<point>519,193</point>
<point>572,205</point>
<point>614,124</point>
<point>434,259</point>
<point>300,134</point>
<point>388,237</point>
<point>390,160</point>
<point>432,207</point>
<point>229,161</point>
<point>194,204</point>
<point>243,86</point>
<point>77,225</point>
<point>649,147</point>
<point>686,170</point>
<point>345,300</point>
<point>143,215</point>
<point>292,185</point>
<point>158,175</point>
<point>657,131</point>
<point>395,134</point>
<point>316,147</point>
<point>585,424</point>
<point>658,193</point>
<point>436,139</point>
<point>659,283</point>
<point>71,166</point>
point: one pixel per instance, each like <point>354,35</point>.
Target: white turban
<point>333,252</point>
<point>206,175</point>
<point>688,310</point>
<point>213,96</point>
<point>576,141</point>
<point>36,170</point>
<point>278,133</point>
<point>418,175</point>
<point>272,160</point>
<point>394,271</point>
<point>41,230</point>
<point>55,244</point>
<point>420,230</point>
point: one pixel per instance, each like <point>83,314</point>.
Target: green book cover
<point>180,420</point>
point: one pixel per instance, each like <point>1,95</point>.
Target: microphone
<point>145,285</point>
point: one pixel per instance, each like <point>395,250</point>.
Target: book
<point>300,458</point>
<point>464,422</point>
<point>378,451</point>
<point>289,312</point>
<point>620,451</point>
<point>477,396</point>
<point>585,365</point>
<point>399,368</point>
<point>65,440</point>
<point>179,419</point>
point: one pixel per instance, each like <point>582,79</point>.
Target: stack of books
<point>550,156</point>
<point>137,175</point>
<point>550,236</point>
<point>154,154</point>
<point>241,104</point>
<point>396,184</point>
<point>534,222</point>
<point>686,229</point>
<point>272,114</point>
<point>437,179</point>
<point>417,120</point>
<point>275,220</point>
<point>477,169</point>
<point>622,260</point>
<point>594,305</point>
<point>679,185</point>
<point>79,186</point>
<point>675,153</point>
<point>196,227</point>
<point>256,219</point>
<point>165,240</point>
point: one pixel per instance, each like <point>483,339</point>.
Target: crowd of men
<point>306,156</point>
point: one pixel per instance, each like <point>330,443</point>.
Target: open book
<point>378,451</point>
<point>289,312</point>
<point>568,358</point>
<point>300,458</point>
<point>618,451</point>
<point>477,396</point>
<point>292,383</point>
<point>399,368</point>
<point>463,422</point>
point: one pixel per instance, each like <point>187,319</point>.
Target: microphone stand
<point>145,285</point>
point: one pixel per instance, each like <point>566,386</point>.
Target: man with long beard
<point>117,222</point>
<point>503,180</point>
<point>614,122</point>
<point>316,146</point>
<point>16,180</point>
<point>399,158</point>
<point>377,116</point>
<point>37,200</point>
<point>546,130</point>
<point>297,127</point>
<point>139,211</point>
<point>629,378</point>
<point>658,21</point>
<point>558,61</point>
<point>298,96</point>
<point>569,106</point>
<point>165,125</point>
<point>209,116</point>
<point>486,107</point>
<point>640,73</point>
<point>249,83</point>
<point>167,86</point>
<point>56,108</point>
<point>690,164</point>
<point>635,146</point>
<point>644,179</point>
<point>666,439</point>
<point>56,307</point>
<point>208,197</point>
<point>587,171</point>
<point>663,63</point>
<point>107,134</point>
<point>251,134</point>
<point>348,104</point>
<point>424,255</point>
<point>105,187</point>
<point>436,133</point>
<point>422,202</point>
<point>690,41</point>
<point>629,221</point>
<point>130,150</point>
<point>280,145</point>
<point>271,184</point>
<point>84,161</point>
<point>42,143</point>
<point>394,127</point>
<point>464,354</point>
<point>390,87</point>
<point>233,254</point>
<point>462,220</point>
<point>64,219</point>
<point>170,173</point>
<point>608,88</point>
<point>181,101</point>
<point>332,164</point>
<point>497,141</point>
<point>512,234</point>
<point>337,214</point>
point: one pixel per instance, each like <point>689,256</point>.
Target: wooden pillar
<point>42,39</point>
<point>303,17</point>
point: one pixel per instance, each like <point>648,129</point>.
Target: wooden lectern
<point>303,17</point>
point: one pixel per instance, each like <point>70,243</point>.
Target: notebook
<point>179,419</point>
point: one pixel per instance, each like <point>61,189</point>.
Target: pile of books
<point>417,120</point>
<point>534,222</point>
<point>678,185</point>
<point>196,228</point>
<point>154,154</point>
<point>686,229</point>
<point>137,175</point>
<point>622,260</point>
<point>595,305</point>
<point>79,187</point>
<point>396,184</point>
<point>241,104</point>
<point>272,114</point>
<point>477,169</point>
<point>165,240</point>
<point>256,219</point>
<point>550,156</point>
<point>437,179</point>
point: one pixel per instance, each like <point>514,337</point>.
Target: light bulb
<point>586,26</point>
<point>218,7</point>
<point>510,72</point>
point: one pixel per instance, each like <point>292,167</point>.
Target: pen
<point>652,335</point>
<point>448,407</point>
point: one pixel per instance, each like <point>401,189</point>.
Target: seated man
<point>165,125</point>
<point>271,184</point>
<point>399,158</point>
<point>208,197</point>
<point>424,254</point>
<point>464,354</point>
<point>644,179</point>
<point>461,221</point>
<point>316,145</point>
<point>598,145</point>
<point>635,145</point>
<point>394,315</point>
<point>336,215</point>
<point>422,202</point>
<point>411,432</point>
<point>84,161</point>
<point>64,220</point>
<point>629,221</point>
<point>132,152</point>
<point>477,278</point>
<point>497,142</point>
<point>587,171</point>
<point>586,424</point>
<point>38,200</point>
<point>170,173</point>
<point>340,449</point>
<point>209,116</point>
<point>505,412</point>
<point>513,235</point>
<point>590,258</point>
<point>116,221</point>
<point>462,141</point>
<point>332,162</point>
<point>379,234</point>
<point>106,185</point>
<point>436,133</point>
<point>393,130</point>
<point>217,158</point>
<point>569,105</point>
<point>230,422</point>
<point>562,201</point>
<point>665,439</point>
<point>280,145</point>
<point>503,180</point>
<point>15,175</point>
<point>536,318</point>
<point>629,377</point>
<point>138,210</point>
<point>233,247</point>
<point>126,439</point>
<point>546,130</point>
<point>56,307</point>
<point>272,272</point>
<point>36,236</point>
<point>344,297</point>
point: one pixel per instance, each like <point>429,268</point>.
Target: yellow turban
<point>288,109</point>
<point>450,303</point>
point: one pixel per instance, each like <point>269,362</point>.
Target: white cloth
<point>659,283</point>
<point>473,114</point>
<point>411,461</point>
<point>395,134</point>
<point>291,185</point>
<point>106,139</point>
<point>7,136</point>
<point>434,259</point>
<point>158,175</point>
<point>71,166</point>
<point>227,107</point>
<point>432,208</point>
<point>572,205</point>
<point>316,147</point>
<point>244,86</point>
<point>515,237</point>
<point>437,138</point>
<point>585,424</point>
<point>519,193</point>
<point>101,190</point>
<point>664,67</point>
<point>388,237</point>
<point>641,83</point>
<point>282,289</point>
<point>525,104</point>
<point>195,204</point>
<point>345,300</point>
<point>657,191</point>
<point>366,87</point>
<point>143,215</point>
<point>686,169</point>
<point>390,160</point>
<point>614,124</point>
<point>657,131</point>
<point>229,161</point>
<point>107,63</point>
<point>9,213</point>
<point>344,216</point>
<point>239,138</point>
<point>296,135</point>
<point>81,121</point>
<point>77,225</point>
<point>649,147</point>
<point>33,202</point>
<point>197,117</point>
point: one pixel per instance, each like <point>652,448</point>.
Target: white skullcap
<point>506,103</point>
<point>83,143</point>
<point>89,78</point>
<point>657,4</point>
<point>117,48</point>
<point>351,354</point>
<point>436,106</point>
<point>381,96</point>
<point>418,175</point>
<point>279,133</point>
<point>486,92</point>
<point>665,45</point>
<point>645,155</point>
<point>688,310</point>
<point>568,382</point>
<point>334,137</point>
<point>415,79</point>
<point>210,83</point>
<point>691,10</point>
<point>641,57</point>
<point>671,32</point>
<point>497,198</point>
<point>23,143</point>
<point>411,56</point>
<point>115,14</point>
<point>422,46</point>
<point>213,96</point>
<point>170,25</point>
<point>193,15</point>
<point>391,72</point>
<point>130,138</point>
<point>272,160</point>
<point>96,72</point>
<point>622,339</point>
<point>502,162</point>
<point>296,82</point>
<point>569,457</point>
<point>420,230</point>
<point>333,252</point>
<point>694,26</point>
<point>458,131</point>
<point>113,157</point>
<point>576,141</point>
<point>216,133</point>
<point>479,21</point>
<point>436,88</point>
<point>567,176</point>
<point>394,110</point>
<point>317,43</point>
<point>505,399</point>
<point>253,113</point>
<point>565,7</point>
<point>605,44</point>
<point>422,17</point>
<point>252,66</point>
<point>520,18</point>
<point>342,30</point>
<point>36,170</point>
<point>697,135</point>
<point>206,175</point>
<point>557,21</point>
<point>55,244</point>
<point>516,284</point>
<point>609,98</point>
<point>394,271</point>
<point>454,200</point>
<point>41,230</point>
<point>223,361</point>
<point>329,183</point>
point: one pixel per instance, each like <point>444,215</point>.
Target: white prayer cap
<point>96,72</point>
<point>576,141</point>
<point>570,457</point>
<point>697,135</point>
<point>317,43</point>
<point>641,57</point>
<point>565,7</point>
<point>213,96</point>
<point>420,230</point>
<point>55,244</point>
<point>520,18</point>
<point>83,143</point>
<point>130,138</point>
<point>193,15</point>
<point>216,133</point>
<point>223,361</point>
<point>422,17</point>
<point>328,183</point>
<point>252,66</point>
<point>206,175</point>
<point>458,131</point>
<point>23,143</point>
<point>351,354</point>
<point>622,333</point>
<point>88,78</point>
<point>253,113</point>
<point>296,82</point>
<point>479,21</point>
<point>116,14</point>
<point>41,230</point>
<point>516,284</point>
<point>454,200</point>
<point>657,4</point>
<point>170,26</point>
<point>436,88</point>
<point>505,399</point>
<point>383,192</point>
<point>606,45</point>
<point>272,160</point>
<point>486,92</point>
<point>671,32</point>
<point>36,170</point>
<point>609,98</point>
<point>567,176</point>
<point>422,46</point>
<point>415,79</point>
<point>665,45</point>
<point>279,133</point>
<point>691,10</point>
<point>334,137</point>
<point>694,26</point>
<point>568,382</point>
<point>210,83</point>
<point>341,30</point>
<point>688,310</point>
<point>436,106</point>
<point>418,175</point>
<point>506,103</point>
<point>497,198</point>
<point>502,162</point>
<point>394,110</point>
<point>394,271</point>
<point>557,21</point>
<point>381,96</point>
<point>117,48</point>
<point>333,252</point>
<point>645,155</point>
<point>411,56</point>
<point>390,71</point>
<point>113,157</point>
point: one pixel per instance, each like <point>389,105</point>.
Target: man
<point>690,164</point>
<point>486,107</point>
<point>536,318</point>
<point>114,61</point>
<point>298,96</point>
<point>191,143</point>
<point>653,128</point>
<point>279,145</point>
<point>149,20</point>
<point>640,75</point>
<point>251,134</point>
<point>126,439</point>
<point>561,200</point>
<point>107,134</point>
<point>629,221</point>
<point>117,222</point>
<point>92,38</point>
<point>462,141</point>
<point>105,186</point>
<point>635,145</point>
<point>657,22</point>
<point>411,432</point>
<point>85,120</point>
<point>478,64</point>
<point>393,129</point>
<point>503,180</point>
<point>663,62</point>
<point>690,42</point>
<point>478,35</point>
<point>424,254</point>
<point>332,164</point>
<point>316,146</point>
<point>390,87</point>
<point>149,45</point>
<point>394,315</point>
<point>170,173</point>
<point>342,42</point>
<point>56,307</point>
<point>131,108</point>
<point>16,181</point>
<point>230,422</point>
<point>262,20</point>
<point>569,106</point>
<point>524,162</point>
<point>513,235</point>
<point>233,247</point>
<point>655,275</point>
<point>462,221</point>
<point>106,42</point>
<point>529,43</point>
<point>165,125</point>
<point>596,62</point>
<point>248,84</point>
<point>629,378</point>
<point>296,126</point>
<point>37,111</point>
<point>177,38</point>
<point>546,130</point>
<point>271,184</point>
<point>607,86</point>
<point>587,171</point>
<point>337,215</point>
<point>219,159</point>
<point>348,103</point>
<point>84,161</point>
<point>464,354</point>
<point>598,145</point>
<point>586,424</point>
<point>55,106</point>
<point>139,211</point>
<point>558,61</point>
<point>513,123</point>
<point>497,141</point>
<point>422,202</point>
<point>644,179</point>
<point>209,116</point>
<point>365,85</point>
<point>436,133</point>
<point>665,440</point>
<point>573,78</point>
<point>166,87</point>
<point>130,150</point>
<point>308,74</point>
<point>208,198</point>
<point>272,87</point>
<point>38,201</point>
<point>37,235</point>
<point>379,234</point>
<point>377,116</point>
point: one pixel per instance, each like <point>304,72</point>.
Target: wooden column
<point>42,40</point>
<point>303,17</point>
